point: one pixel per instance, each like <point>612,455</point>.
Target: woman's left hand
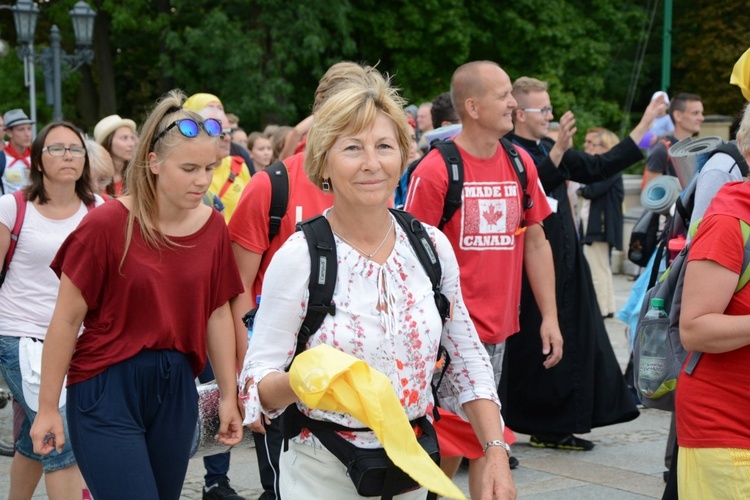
<point>230,430</point>
<point>497,480</point>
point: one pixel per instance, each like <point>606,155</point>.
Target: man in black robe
<point>587,388</point>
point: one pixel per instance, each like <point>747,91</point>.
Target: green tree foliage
<point>263,58</point>
<point>705,48</point>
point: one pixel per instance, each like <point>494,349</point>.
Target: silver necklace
<point>368,255</point>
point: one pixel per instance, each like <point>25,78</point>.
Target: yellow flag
<point>327,379</point>
<point>741,74</point>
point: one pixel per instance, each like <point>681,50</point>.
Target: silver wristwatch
<point>497,442</point>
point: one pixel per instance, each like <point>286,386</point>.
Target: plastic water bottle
<point>251,320</point>
<point>653,363</point>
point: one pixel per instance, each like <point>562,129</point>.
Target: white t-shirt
<point>29,293</point>
<point>16,174</point>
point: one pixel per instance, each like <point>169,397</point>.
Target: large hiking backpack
<point>455,166</point>
<point>668,287</point>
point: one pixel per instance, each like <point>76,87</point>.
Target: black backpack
<point>452,158</point>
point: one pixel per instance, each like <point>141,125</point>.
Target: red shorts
<point>457,439</point>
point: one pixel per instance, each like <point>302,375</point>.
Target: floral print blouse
<point>385,315</point>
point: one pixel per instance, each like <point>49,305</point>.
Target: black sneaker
<point>220,491</point>
<point>513,462</point>
<point>569,442</point>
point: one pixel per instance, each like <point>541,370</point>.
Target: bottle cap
<point>657,303</point>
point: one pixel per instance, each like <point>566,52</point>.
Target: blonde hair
<point>522,87</point>
<point>352,108</point>
<point>743,133</point>
<point>342,72</point>
<point>609,139</point>
<point>141,181</point>
<point>101,162</point>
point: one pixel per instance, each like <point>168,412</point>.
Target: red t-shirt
<point>482,231</point>
<point>713,404</point>
<point>249,224</point>
<point>160,299</point>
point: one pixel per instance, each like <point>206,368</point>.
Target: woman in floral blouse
<point>385,309</point>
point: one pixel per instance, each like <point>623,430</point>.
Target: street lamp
<point>53,58</point>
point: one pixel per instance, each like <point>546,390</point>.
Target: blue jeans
<point>133,424</point>
<point>11,370</point>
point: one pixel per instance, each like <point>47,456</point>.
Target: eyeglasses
<point>190,128</point>
<point>593,144</point>
<point>545,110</point>
<point>75,151</point>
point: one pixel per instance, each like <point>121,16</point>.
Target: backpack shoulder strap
<point>745,270</point>
<point>20,198</point>
<point>426,254</point>
<point>323,268</point>
<point>515,160</point>
<point>730,148</point>
<point>279,197</point>
<point>2,168</point>
<point>455,166</point>
<point>235,170</point>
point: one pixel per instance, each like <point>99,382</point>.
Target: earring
<point>326,185</point>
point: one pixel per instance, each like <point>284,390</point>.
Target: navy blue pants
<point>131,426</point>
<point>217,466</point>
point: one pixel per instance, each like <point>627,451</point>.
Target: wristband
<point>497,442</point>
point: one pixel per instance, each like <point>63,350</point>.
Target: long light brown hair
<point>141,181</point>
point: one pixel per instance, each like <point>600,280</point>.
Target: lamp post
<point>55,62</point>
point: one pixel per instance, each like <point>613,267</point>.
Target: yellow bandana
<point>327,379</point>
<point>741,74</point>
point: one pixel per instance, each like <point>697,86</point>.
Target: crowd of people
<point>144,247</point>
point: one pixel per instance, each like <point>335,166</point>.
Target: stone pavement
<point>626,464</point>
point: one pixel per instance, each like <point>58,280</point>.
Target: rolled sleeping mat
<point>689,155</point>
<point>208,424</point>
<point>660,194</point>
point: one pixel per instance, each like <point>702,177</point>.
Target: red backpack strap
<point>20,198</point>
<point>236,168</point>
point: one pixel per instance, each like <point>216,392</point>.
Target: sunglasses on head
<point>190,128</point>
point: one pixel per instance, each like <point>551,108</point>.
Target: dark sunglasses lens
<point>188,127</point>
<point>212,126</point>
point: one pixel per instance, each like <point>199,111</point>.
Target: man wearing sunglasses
<point>587,388</point>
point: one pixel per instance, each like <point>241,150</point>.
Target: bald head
<point>470,81</point>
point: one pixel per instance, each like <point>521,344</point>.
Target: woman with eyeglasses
<point>149,275</point>
<point>52,205</point>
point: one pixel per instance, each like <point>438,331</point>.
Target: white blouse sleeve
<point>282,309</point>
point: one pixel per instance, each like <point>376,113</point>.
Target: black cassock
<point>587,388</point>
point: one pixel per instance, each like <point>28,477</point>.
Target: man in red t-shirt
<point>486,234</point>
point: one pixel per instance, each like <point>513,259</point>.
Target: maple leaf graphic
<point>492,216</point>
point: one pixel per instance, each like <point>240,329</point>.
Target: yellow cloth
<point>196,102</point>
<point>713,473</point>
<point>232,195</point>
<point>741,74</point>
<point>327,379</point>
